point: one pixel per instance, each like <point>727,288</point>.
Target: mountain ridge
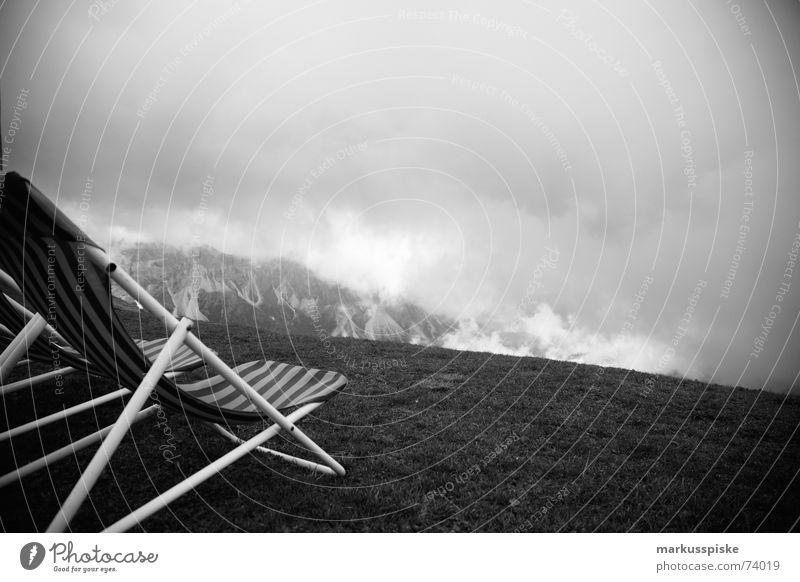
<point>207,285</point>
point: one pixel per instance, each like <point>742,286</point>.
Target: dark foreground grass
<point>437,440</point>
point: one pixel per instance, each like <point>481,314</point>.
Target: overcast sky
<point>614,183</point>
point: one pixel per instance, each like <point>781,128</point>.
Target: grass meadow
<point>441,441</point>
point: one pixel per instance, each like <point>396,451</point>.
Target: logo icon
<point>31,555</point>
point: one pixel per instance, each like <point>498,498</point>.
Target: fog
<point>614,184</point>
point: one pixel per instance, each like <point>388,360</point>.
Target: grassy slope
<point>450,442</point>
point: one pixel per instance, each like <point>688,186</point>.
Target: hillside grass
<point>438,440</point>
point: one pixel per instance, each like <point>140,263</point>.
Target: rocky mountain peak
<point>281,295</point>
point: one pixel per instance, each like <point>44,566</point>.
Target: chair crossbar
<point>67,450</point>
<point>62,414</point>
<point>19,345</point>
<point>36,380</point>
<point>203,474</point>
<point>110,443</point>
<point>316,467</point>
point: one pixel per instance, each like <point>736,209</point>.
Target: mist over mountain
<point>280,295</point>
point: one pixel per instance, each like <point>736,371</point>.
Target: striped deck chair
<point>53,262</point>
<point>51,349</point>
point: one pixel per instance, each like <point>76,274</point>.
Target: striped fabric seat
<point>184,360</point>
<point>282,385</point>
<point>43,349</point>
<point>36,352</point>
<point>45,352</point>
<point>45,254</point>
<point>50,351</point>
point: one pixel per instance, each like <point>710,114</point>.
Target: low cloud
<point>550,335</point>
<point>460,154</point>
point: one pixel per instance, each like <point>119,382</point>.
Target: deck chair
<point>51,260</point>
<point>49,348</point>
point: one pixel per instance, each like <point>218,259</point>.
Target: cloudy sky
<point>612,182</point>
